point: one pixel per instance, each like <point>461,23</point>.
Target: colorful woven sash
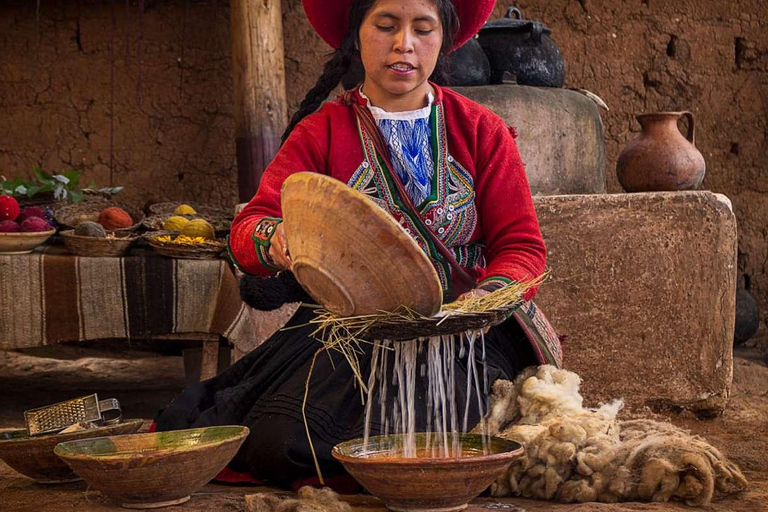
<point>463,280</point>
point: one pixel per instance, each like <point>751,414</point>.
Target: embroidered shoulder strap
<point>462,279</point>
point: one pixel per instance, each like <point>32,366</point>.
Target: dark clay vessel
<point>522,48</point>
<point>661,158</point>
<point>469,65</point>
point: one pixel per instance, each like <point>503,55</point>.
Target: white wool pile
<point>573,454</point>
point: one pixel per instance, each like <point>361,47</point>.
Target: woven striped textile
<point>51,296</point>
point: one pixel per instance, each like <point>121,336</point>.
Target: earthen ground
<point>145,382</point>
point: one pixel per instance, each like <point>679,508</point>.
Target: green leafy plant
<point>64,186</point>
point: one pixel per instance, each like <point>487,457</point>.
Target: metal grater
<point>56,417</point>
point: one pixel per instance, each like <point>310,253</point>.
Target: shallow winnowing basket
<point>204,251</point>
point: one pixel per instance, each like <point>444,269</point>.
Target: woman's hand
<point>476,293</point>
<point>278,249</point>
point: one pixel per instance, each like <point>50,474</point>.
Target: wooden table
<point>51,296</point>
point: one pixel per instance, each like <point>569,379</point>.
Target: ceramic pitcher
<point>662,158</point>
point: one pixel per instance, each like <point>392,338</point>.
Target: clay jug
<point>661,158</point>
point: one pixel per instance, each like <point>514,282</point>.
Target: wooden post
<point>209,364</point>
<point>259,81</point>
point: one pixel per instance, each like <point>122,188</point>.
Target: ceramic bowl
<point>34,457</point>
<point>427,482</point>
<point>350,255</point>
<point>156,469</point>
<point>23,243</point>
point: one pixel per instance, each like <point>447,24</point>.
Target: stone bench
<point>644,286</point>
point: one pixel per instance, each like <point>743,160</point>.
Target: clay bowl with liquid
<point>156,469</point>
<point>33,456</point>
<point>427,482</point>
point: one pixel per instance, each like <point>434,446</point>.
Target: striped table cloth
<point>51,296</point>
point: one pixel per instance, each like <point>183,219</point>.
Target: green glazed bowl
<point>153,470</point>
<point>33,456</point>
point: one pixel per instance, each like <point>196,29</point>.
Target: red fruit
<point>115,218</point>
<point>9,226</point>
<point>9,208</point>
<point>34,225</point>
<point>30,211</point>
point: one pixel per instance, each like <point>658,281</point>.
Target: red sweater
<point>481,205</point>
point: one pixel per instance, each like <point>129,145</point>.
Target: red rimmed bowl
<point>153,470</point>
<point>427,482</point>
<point>34,457</point>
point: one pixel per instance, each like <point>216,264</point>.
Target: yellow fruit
<point>184,209</point>
<point>199,228</point>
<point>175,223</point>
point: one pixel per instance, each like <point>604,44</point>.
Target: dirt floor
<point>143,382</point>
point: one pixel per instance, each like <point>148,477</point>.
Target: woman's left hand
<point>476,293</point>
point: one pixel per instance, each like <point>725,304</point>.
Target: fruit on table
<point>175,223</point>
<point>199,228</point>
<point>184,209</point>
<point>92,229</point>
<point>34,225</point>
<point>9,208</point>
<point>30,211</point>
<point>115,218</point>
<point>9,226</point>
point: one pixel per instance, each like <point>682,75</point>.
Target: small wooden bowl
<point>94,247</point>
<point>206,251</point>
<point>23,243</point>
<point>426,483</point>
<point>350,255</point>
<point>153,470</point>
<point>33,456</point>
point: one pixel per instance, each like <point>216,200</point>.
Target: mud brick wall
<point>157,117</point>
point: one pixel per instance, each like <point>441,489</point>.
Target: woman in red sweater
<point>459,165</point>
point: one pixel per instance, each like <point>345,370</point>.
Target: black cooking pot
<point>522,48</point>
<point>467,66</point>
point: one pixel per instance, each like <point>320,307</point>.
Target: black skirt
<point>265,391</point>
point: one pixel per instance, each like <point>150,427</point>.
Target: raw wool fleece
<point>573,454</point>
<point>309,500</point>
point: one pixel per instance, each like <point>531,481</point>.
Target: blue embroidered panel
<point>411,151</point>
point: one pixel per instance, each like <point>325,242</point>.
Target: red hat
<point>329,18</point>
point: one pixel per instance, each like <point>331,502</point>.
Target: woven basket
<point>156,222</point>
<point>205,211</point>
<point>90,246</point>
<point>206,251</point>
<point>455,323</point>
<point>69,217</point>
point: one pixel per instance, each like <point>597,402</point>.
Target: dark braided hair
<point>342,59</point>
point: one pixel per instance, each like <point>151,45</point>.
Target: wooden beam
<point>259,81</point>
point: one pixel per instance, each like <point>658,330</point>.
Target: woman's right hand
<point>278,249</point>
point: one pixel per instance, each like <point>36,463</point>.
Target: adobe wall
<point>157,117</point>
